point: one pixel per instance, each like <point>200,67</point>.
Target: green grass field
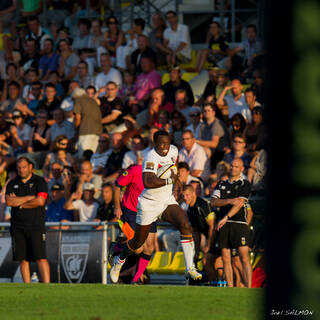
<point>120,302</point>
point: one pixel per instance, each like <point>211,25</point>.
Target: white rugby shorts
<point>149,211</point>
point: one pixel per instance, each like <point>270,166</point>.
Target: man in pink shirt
<point>148,80</point>
<point>127,210</point>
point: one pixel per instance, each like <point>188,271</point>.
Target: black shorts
<point>129,216</point>
<point>28,245</point>
<point>234,235</point>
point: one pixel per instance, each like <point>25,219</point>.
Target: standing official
<point>27,195</point>
<point>231,196</point>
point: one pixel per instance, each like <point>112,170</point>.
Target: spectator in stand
<point>108,73</point>
<point>163,120</point>
<point>7,13</point>
<point>59,153</point>
<point>222,173</point>
<point>32,75</point>
<point>239,151</point>
<point>36,32</point>
<point>178,124</point>
<point>100,158</point>
<point>20,133</point>
<point>214,135</point>
<point>156,37</point>
<point>11,75</point>
<point>83,76</point>
<point>146,82</point>
<point>40,137</point>
<point>5,125</point>
<point>132,157</point>
<point>236,103</point>
<point>81,42</point>
<point>142,50</point>
<point>255,132</point>
<point>202,220</point>
<point>157,104</point>
<point>176,83</point>
<point>177,44</point>
<point>85,209</point>
<point>106,208</point>
<point>49,61</point>
<point>14,98</point>
<point>91,92</point>
<point>217,51</point>
<point>127,87</point>
<point>95,41</point>
<point>31,57</point>
<point>132,129</point>
<point>87,121</point>
<point>150,146</point>
<point>195,156</point>
<point>111,107</point>
<point>55,174</point>
<point>68,62</point>
<point>210,89</point>
<point>258,85</point>
<point>195,121</point>
<point>61,126</point>
<point>251,98</point>
<point>113,37</point>
<point>238,124</point>
<point>113,165</point>
<point>123,52</point>
<point>56,211</point>
<point>50,102</point>
<point>67,104</point>
<point>54,78</point>
<point>252,48</point>
<point>181,103</point>
<point>222,82</point>
<point>87,176</point>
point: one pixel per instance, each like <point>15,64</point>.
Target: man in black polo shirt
<point>27,196</point>
<point>231,196</point>
<point>201,218</point>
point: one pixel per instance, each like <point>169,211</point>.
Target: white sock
<point>188,251</point>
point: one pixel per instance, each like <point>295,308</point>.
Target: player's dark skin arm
<point>13,201</point>
<point>34,203</point>
<point>151,181</point>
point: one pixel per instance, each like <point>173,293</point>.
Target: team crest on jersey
<point>223,187</point>
<point>30,185</point>
<point>125,173</point>
<point>150,165</point>
<point>243,241</point>
<point>43,237</point>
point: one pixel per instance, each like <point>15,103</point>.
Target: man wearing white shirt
<point>108,73</point>
<point>195,156</point>
<point>176,40</point>
<point>131,157</point>
<point>236,103</point>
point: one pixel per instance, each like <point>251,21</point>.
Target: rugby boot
<point>193,274</point>
<point>116,268</point>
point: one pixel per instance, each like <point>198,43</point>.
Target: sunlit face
<point>250,98</point>
<point>112,90</point>
<point>162,145</point>
<point>62,144</point>
<point>183,175</point>
<point>188,140</point>
<point>24,169</point>
<point>50,93</point>
<point>189,196</point>
<point>236,87</point>
<point>181,99</point>
<point>157,97</point>
<point>86,169</point>
<point>17,121</point>
<point>208,113</point>
<point>107,194</point>
<point>88,194</point>
<point>236,168</point>
<point>116,140</point>
<point>238,144</point>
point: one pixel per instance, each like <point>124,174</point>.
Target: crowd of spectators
<point>85,107</point>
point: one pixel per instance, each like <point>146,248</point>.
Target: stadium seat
<point>192,63</point>
<point>160,262</point>
<point>186,76</point>
<point>245,87</point>
<point>178,264</point>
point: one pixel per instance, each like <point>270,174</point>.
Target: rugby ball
<point>164,172</point>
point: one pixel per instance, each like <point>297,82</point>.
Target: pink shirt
<point>146,82</point>
<point>132,179</point>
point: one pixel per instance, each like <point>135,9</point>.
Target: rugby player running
<point>157,201</point>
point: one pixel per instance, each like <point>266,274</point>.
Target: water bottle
<point>34,278</point>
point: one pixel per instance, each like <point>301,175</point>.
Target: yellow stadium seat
<point>192,63</point>
<point>160,262</point>
<point>245,87</point>
<point>178,264</point>
<point>165,78</point>
<point>187,76</point>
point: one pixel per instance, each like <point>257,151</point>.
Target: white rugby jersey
<point>152,162</point>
